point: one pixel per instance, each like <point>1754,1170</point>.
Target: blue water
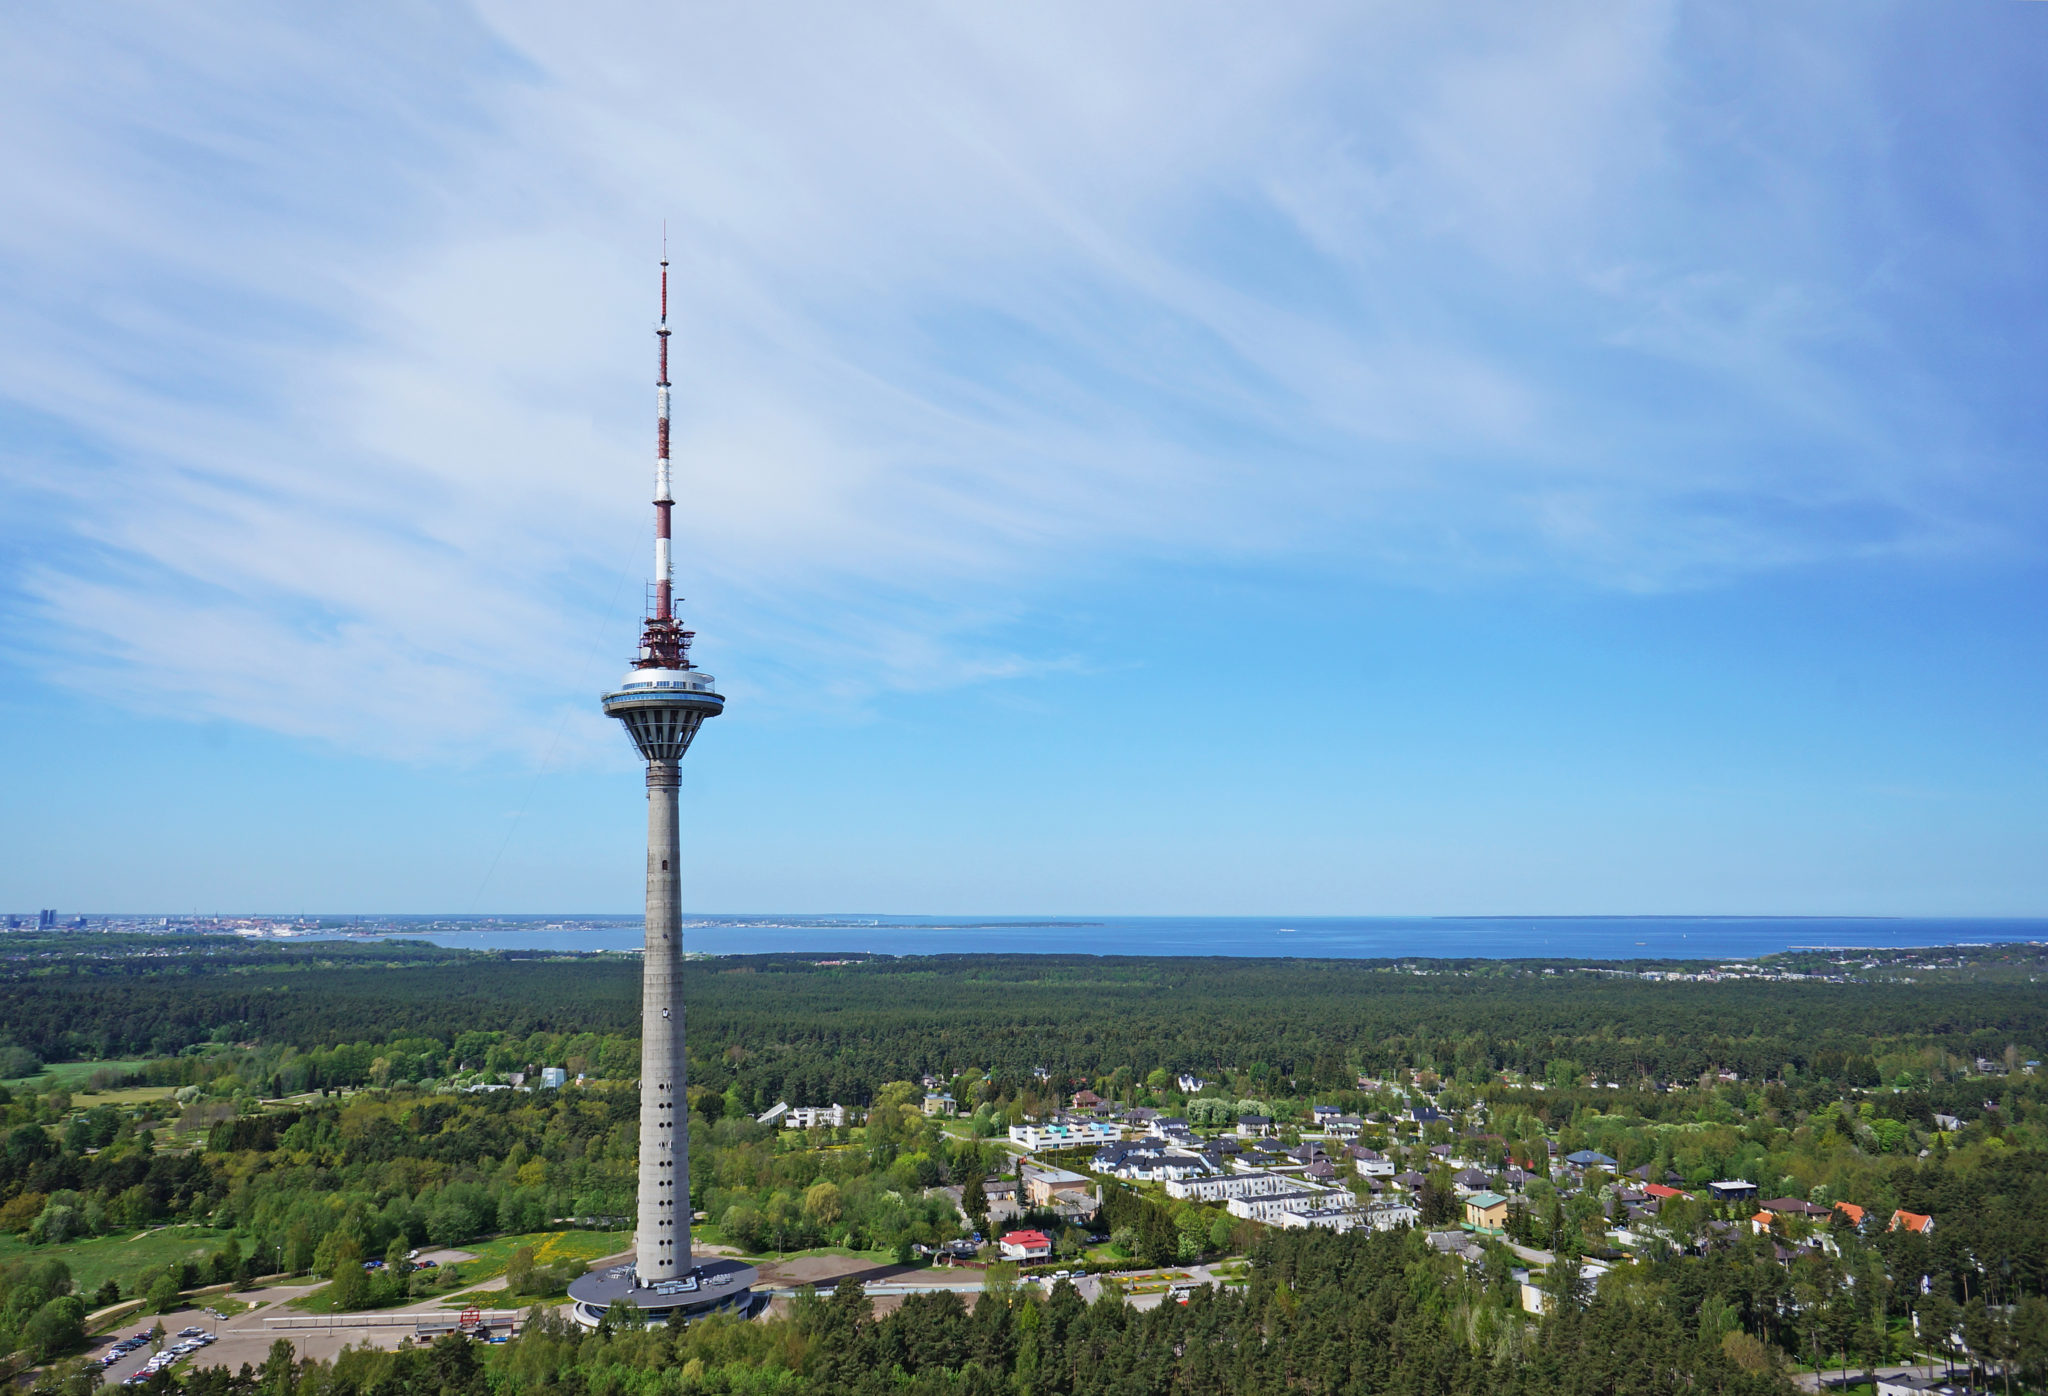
<point>1332,937</point>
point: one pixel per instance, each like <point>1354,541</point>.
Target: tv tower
<point>662,701</point>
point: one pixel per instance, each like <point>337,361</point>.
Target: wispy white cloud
<point>328,361</point>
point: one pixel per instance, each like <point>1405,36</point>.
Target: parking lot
<point>128,1354</point>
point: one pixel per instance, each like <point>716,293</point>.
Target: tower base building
<point>713,1285</point>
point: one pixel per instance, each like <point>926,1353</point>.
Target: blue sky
<point>1149,461</point>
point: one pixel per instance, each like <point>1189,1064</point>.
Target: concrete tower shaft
<point>662,1236</point>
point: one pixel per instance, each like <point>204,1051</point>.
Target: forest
<point>231,1090</point>
<point>788,1027</point>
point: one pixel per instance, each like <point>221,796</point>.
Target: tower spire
<point>664,644</point>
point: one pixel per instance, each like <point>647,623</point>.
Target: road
<point>966,1282</point>
<point>1815,1381</point>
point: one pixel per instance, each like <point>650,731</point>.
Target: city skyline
<point>1583,463</point>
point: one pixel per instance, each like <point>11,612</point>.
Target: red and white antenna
<point>664,502</point>
<point>664,644</point>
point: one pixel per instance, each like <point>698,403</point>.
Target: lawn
<point>123,1258</point>
<point>127,1095</point>
<point>71,1076</point>
<point>492,1257</point>
<point>548,1247</point>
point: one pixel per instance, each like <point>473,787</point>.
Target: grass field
<point>548,1247</point>
<point>72,1075</point>
<point>129,1095</point>
<point>122,1258</point>
<point>492,1257</point>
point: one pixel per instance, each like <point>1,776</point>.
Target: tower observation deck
<point>662,702</point>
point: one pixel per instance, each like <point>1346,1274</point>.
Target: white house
<point>1150,1162</point>
<point>1270,1207</point>
<point>1065,1135</point>
<point>816,1116</point>
<point>1025,1245</point>
<point>1251,1183</point>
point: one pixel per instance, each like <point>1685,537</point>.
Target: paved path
<point>1827,1376</point>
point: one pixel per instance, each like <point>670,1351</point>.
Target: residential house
<point>1338,1217</point>
<point>1385,1216</point>
<point>1085,1099</point>
<point>1025,1245</point>
<point>1486,1211</point>
<point>1150,1161</point>
<point>1269,1206</point>
<point>1057,1187</point>
<point>816,1117</point>
<point>1065,1134</point>
<point>1223,1188</point>
<point>1189,1085</point>
<point>1470,1180</point>
<point>1590,1158</point>
<point>1855,1214</point>
<point>1254,1126</point>
<point>941,1103</point>
<point>1912,1221</point>
<point>1732,1190</point>
<point>1793,1207</point>
<point>1455,1243</point>
<point>1371,1163</point>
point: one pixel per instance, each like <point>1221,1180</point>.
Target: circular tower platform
<point>713,1285</point>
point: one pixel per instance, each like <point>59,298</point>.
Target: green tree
<point>57,1327</point>
<point>350,1287</point>
<point>1565,1281</point>
<point>974,1201</point>
<point>164,1294</point>
<point>519,1271</point>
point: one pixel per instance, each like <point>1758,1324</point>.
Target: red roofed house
<point>1658,1190</point>
<point>1761,1223</point>
<point>1913,1221</point>
<point>1854,1213</point>
<point>1026,1245</point>
<point>1085,1099</point>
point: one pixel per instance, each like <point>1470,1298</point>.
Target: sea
<point>1306,937</point>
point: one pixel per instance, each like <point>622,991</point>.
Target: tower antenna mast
<point>664,643</point>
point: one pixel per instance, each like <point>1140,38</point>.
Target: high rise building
<point>662,701</point>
